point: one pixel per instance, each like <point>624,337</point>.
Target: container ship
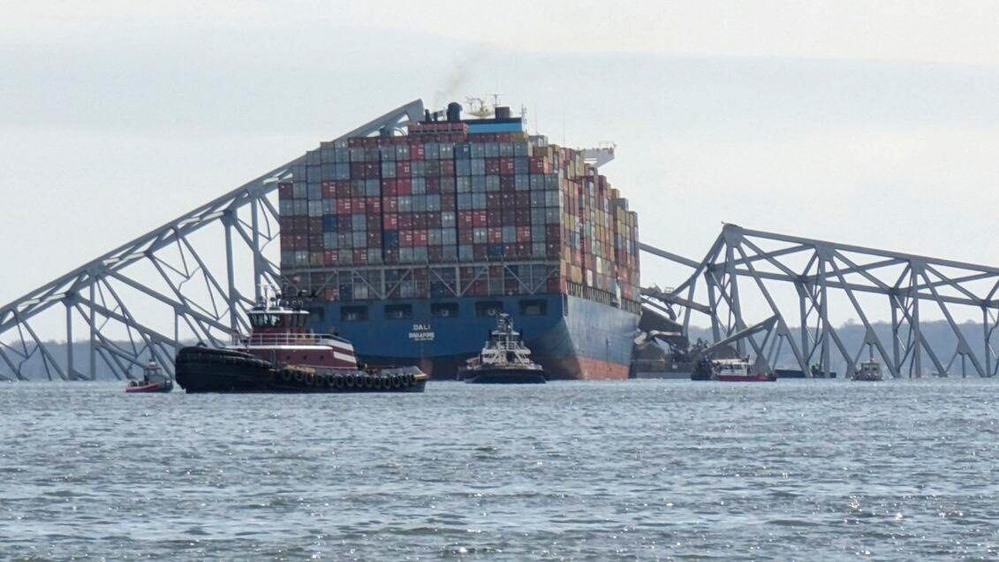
<point>410,243</point>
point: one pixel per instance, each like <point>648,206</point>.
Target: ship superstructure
<point>410,244</point>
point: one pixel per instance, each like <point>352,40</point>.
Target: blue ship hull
<point>571,337</point>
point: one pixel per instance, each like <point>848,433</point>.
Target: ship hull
<point>202,370</point>
<point>573,339</point>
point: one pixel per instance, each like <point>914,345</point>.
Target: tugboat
<point>281,355</point>
<point>153,380</point>
<point>730,370</point>
<point>504,359</point>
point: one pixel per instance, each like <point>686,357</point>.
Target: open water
<point>644,470</point>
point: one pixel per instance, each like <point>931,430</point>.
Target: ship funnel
<point>454,111</point>
<point>502,112</point>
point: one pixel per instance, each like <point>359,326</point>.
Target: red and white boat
<point>281,355</point>
<point>153,380</point>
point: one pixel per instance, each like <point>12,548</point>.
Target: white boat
<point>504,358</point>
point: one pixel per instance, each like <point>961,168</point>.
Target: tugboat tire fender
<point>285,375</point>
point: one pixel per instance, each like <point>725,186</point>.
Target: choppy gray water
<point>792,470</point>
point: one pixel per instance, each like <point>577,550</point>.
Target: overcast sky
<point>872,123</point>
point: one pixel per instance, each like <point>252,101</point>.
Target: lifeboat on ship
<point>281,355</point>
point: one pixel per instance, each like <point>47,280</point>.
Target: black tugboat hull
<point>504,376</point>
<point>201,369</point>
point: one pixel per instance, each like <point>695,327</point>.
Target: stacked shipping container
<point>450,211</point>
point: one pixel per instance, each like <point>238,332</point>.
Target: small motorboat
<point>153,380</point>
<point>868,371</point>
<point>504,359</point>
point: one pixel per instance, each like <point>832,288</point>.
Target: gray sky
<point>872,123</point>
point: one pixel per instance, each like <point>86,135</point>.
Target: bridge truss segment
<point>187,281</point>
<point>749,272</point>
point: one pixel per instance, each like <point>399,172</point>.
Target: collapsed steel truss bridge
<point>804,284</point>
<point>188,280</point>
<point>192,278</point>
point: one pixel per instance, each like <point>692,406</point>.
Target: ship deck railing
<point>285,339</point>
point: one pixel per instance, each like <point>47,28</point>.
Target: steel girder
<point>812,281</point>
<point>187,281</point>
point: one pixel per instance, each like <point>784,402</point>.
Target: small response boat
<point>153,380</point>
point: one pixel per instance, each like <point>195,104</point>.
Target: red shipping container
<point>374,205</point>
<point>343,206</point>
<point>390,186</point>
<point>285,190</point>
<point>341,188</point>
<point>537,164</point>
<point>416,152</point>
<point>492,166</point>
<point>465,236</point>
<point>419,238</point>
<point>405,186</point>
<point>494,217</point>
<point>405,221</point>
<point>329,189</point>
<point>390,221</point>
<point>506,165</point>
<point>523,234</point>
<point>391,256</point>
<point>406,238</point>
<point>495,235</point>
<point>330,257</point>
<point>465,218</point>
<point>479,218</point>
<point>403,169</point>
